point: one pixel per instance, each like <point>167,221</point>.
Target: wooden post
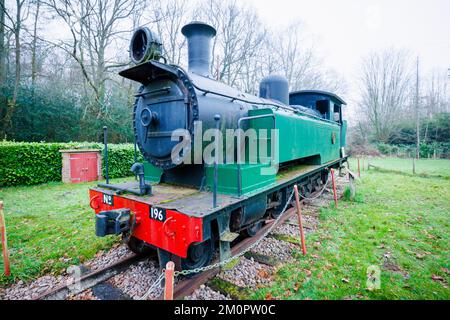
<point>334,188</point>
<point>168,289</point>
<point>414,165</point>
<point>4,242</point>
<point>359,171</point>
<point>299,215</point>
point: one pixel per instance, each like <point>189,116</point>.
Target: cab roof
<point>318,94</point>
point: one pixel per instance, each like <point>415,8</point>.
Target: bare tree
<point>385,89</point>
<point>14,24</point>
<point>95,26</point>
<point>416,111</point>
<point>436,99</point>
<point>34,44</point>
<point>168,17</point>
<point>2,43</point>
<point>239,35</point>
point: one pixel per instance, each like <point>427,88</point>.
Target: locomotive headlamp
<point>145,45</point>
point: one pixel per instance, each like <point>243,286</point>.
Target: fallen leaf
<point>263,273</point>
<point>437,278</point>
<point>345,280</point>
<point>447,271</point>
<point>269,296</point>
<point>308,273</point>
<point>420,256</point>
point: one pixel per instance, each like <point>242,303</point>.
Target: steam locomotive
<point>185,207</point>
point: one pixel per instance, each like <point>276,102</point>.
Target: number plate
<point>108,199</point>
<point>158,214</point>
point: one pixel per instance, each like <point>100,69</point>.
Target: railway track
<point>185,287</point>
<point>90,279</point>
<point>188,285</point>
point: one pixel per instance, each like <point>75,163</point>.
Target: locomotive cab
<point>326,104</point>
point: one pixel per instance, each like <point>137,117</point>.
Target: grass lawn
<point>397,223</point>
<point>424,167</point>
<point>50,227</point>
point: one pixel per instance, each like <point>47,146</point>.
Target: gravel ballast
<point>277,249</point>
<point>248,273</point>
<point>206,293</point>
<point>137,280</point>
<point>28,291</point>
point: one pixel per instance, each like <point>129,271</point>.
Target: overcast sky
<point>346,30</point>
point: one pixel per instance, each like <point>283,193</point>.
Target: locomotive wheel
<point>199,255</point>
<point>139,247</point>
<point>253,229</point>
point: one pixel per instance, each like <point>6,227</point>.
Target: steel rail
<point>90,279</point>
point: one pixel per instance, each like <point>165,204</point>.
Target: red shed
<point>81,165</point>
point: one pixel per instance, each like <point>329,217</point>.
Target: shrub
<point>28,163</point>
<point>120,160</point>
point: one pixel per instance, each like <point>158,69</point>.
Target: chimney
<point>199,37</point>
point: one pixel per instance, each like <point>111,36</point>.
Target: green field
<point>424,167</point>
<point>50,227</point>
<point>397,223</point>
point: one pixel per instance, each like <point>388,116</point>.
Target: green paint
<point>251,177</point>
<point>302,136</point>
<point>152,173</point>
<point>344,133</point>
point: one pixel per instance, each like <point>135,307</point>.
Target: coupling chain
<point>240,254</point>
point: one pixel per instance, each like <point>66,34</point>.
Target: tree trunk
<point>17,52</point>
<point>2,44</point>
<point>417,112</point>
<point>11,104</point>
<point>33,49</point>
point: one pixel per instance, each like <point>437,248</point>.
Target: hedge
<point>28,163</point>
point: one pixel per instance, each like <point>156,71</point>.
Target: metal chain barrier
<point>240,254</point>
<point>154,286</point>
<point>320,192</point>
